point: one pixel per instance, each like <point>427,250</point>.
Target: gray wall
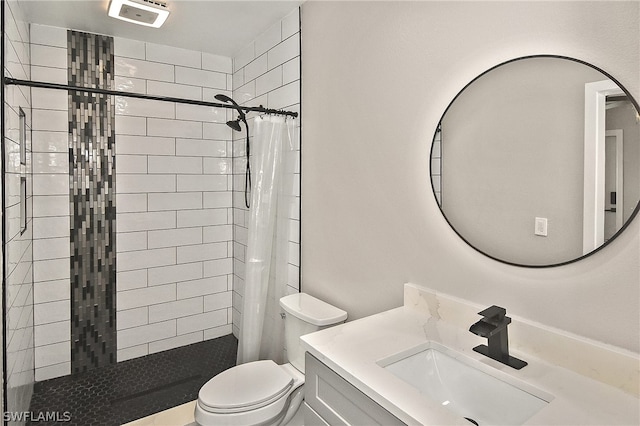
<point>370,220</point>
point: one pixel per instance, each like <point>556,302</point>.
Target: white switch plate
<point>541,226</point>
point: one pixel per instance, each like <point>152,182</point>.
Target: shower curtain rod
<point>45,85</point>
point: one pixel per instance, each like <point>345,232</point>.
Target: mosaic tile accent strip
<point>92,199</point>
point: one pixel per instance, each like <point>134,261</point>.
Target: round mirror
<point>536,162</point>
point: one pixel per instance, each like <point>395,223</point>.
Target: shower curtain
<point>272,165</point>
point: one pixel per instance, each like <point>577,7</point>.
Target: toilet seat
<point>245,387</point>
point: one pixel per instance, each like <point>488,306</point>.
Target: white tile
<point>285,96</point>
<point>146,183</point>
<point>219,233</point>
<point>49,99</point>
<point>203,78</point>
<point>146,259</point>
<point>146,333</point>
<point>132,317</point>
<point>144,107</point>
<point>45,141</point>
<point>53,371</point>
<point>214,200</point>
<point>166,164</point>
<point>204,217</point>
<point>174,128</point>
<point>213,302</point>
<point>175,342</point>
<point>173,55</point>
<point>229,82</point>
<point>177,309</point>
<point>48,56</point>
<point>175,237</point>
<point>51,248</point>
<point>256,68</point>
<point>130,222</point>
<point>245,56</point>
<point>201,321</point>
<point>214,333</point>
<point>201,147</point>
<point>49,75</point>
<point>51,291</point>
<point>145,145</point>
<point>291,71</point>
<point>269,39</point>
<point>218,63</point>
<point>53,162</point>
<point>45,119</point>
<point>294,254</point>
<point>45,313</point>
<point>291,24</point>
<point>132,352</point>
<point>269,81</point>
<point>131,164</point>
<point>175,201</point>
<point>130,280</point>
<point>173,90</point>
<point>130,84</point>
<point>50,184</point>
<point>214,268</point>
<point>50,227</point>
<point>129,125</point>
<point>48,270</point>
<point>217,131</point>
<point>145,296</point>
<point>54,332</point>
<point>128,48</point>
<point>131,203</point>
<point>285,51</point>
<point>202,183</point>
<point>238,78</point>
<point>200,252</point>
<point>129,67</point>
<point>201,287</point>
<point>175,273</point>
<point>52,354</point>
<point>49,36</point>
<point>131,241</point>
<point>201,113</point>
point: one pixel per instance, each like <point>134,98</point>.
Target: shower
<point>235,125</point>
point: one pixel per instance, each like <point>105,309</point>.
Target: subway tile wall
<point>266,72</point>
<point>18,247</point>
<point>173,202</point>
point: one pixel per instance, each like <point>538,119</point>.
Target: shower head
<point>224,98</point>
<point>235,125</point>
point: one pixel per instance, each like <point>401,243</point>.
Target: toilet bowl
<point>263,392</point>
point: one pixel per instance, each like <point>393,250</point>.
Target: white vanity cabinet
<point>331,400</point>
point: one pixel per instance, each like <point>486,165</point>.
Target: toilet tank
<point>305,314</point>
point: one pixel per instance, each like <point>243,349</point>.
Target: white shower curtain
<point>266,259</point>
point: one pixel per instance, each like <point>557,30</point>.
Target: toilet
<point>263,392</point>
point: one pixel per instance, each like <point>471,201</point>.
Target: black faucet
<point>493,326</point>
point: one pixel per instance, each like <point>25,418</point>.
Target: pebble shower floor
<point>136,388</point>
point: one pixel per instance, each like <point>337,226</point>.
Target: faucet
<point>493,326</point>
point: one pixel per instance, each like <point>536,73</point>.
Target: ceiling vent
<point>142,12</point>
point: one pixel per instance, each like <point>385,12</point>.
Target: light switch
<point>541,226</point>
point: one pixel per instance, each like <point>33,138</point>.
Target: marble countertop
<point>353,349</point>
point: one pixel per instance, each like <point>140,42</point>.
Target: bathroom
<point>370,82</point>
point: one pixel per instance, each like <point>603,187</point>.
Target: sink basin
<point>480,393</point>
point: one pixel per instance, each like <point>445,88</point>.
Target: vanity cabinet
<point>331,400</point>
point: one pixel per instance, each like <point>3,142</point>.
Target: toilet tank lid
<point>312,310</point>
